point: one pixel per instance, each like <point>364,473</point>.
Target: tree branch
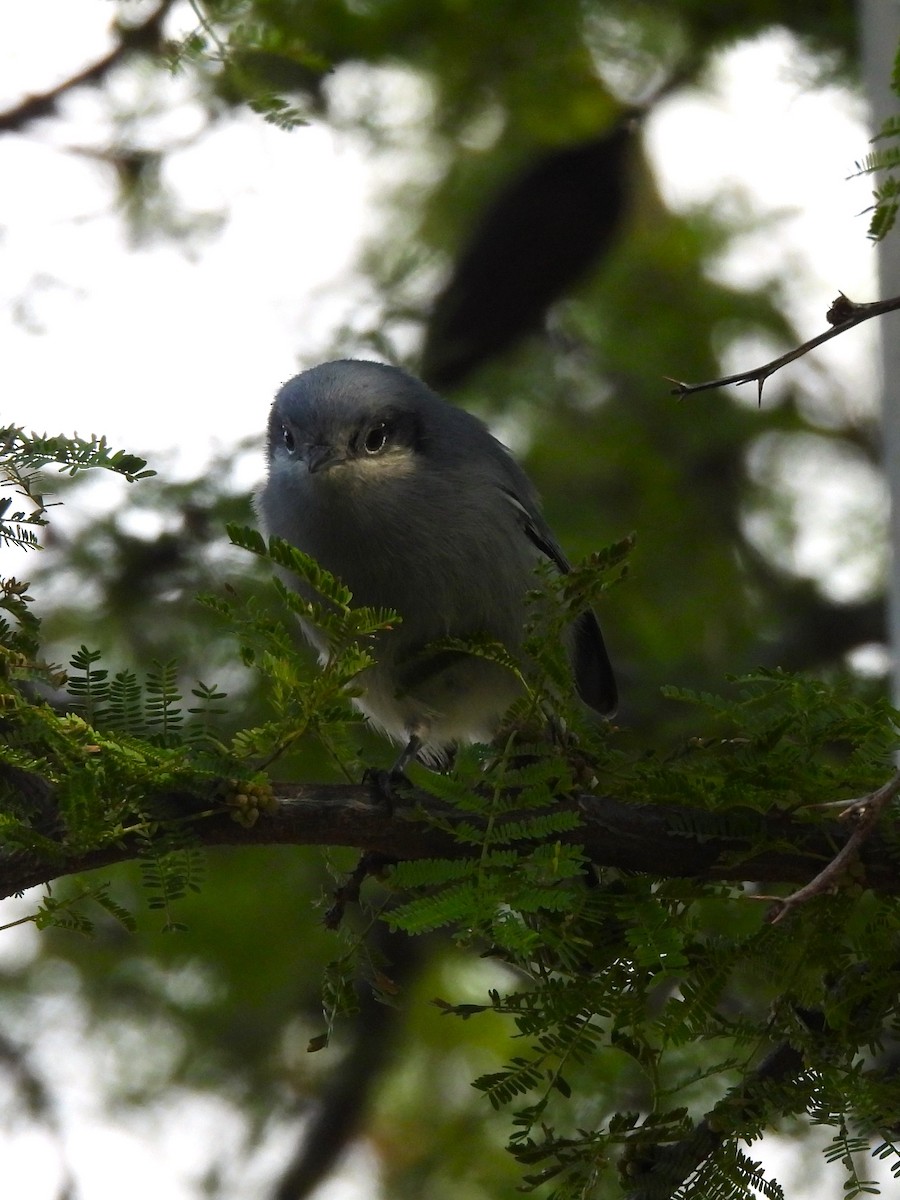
<point>143,37</point>
<point>669,841</point>
<point>843,314</point>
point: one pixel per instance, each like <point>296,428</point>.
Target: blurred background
<point>547,211</point>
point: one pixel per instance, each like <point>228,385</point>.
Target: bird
<point>414,505</point>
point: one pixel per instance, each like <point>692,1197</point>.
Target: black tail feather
<point>594,677</point>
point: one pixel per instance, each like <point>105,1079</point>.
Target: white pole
<point>880,37</point>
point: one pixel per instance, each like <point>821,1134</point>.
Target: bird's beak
<point>320,458</point>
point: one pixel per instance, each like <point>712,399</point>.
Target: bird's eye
<point>288,439</point>
<point>376,438</point>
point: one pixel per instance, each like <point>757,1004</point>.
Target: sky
<point>161,348</point>
<point>176,354</point>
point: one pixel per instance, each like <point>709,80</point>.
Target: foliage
<point>22,456</point>
<point>630,966</point>
<point>303,702</point>
<point>638,1032</point>
<point>648,971</point>
<point>80,770</point>
<point>884,160</point>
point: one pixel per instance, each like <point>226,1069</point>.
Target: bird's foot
<point>384,785</point>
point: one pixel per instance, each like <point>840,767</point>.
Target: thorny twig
<point>843,314</point>
<point>867,810</point>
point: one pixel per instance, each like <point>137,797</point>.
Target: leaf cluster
<point>304,703</point>
<point>884,161</point>
<point>84,751</point>
<point>23,456</point>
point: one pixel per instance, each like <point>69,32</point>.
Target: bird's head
<point>351,423</point>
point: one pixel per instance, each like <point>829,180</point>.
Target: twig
<point>868,809</point>
<point>843,314</point>
<point>348,893</point>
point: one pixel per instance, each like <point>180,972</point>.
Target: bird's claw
<point>384,784</point>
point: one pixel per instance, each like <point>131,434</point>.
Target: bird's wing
<point>593,671</point>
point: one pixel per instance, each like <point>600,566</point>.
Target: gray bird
<point>415,506</point>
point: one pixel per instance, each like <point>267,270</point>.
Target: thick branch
<point>844,314</point>
<point>659,839</point>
